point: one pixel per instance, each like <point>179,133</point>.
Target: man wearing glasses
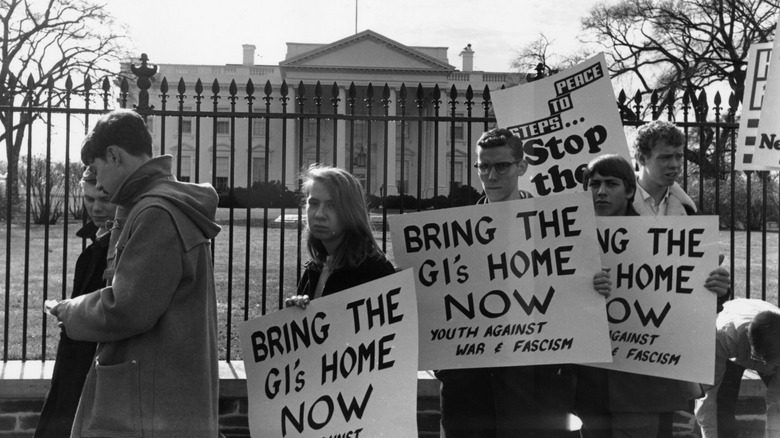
<point>499,164</point>
<point>748,335</point>
<point>527,401</point>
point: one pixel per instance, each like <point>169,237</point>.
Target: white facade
<point>282,145</point>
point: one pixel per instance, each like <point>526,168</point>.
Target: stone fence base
<point>23,387</point>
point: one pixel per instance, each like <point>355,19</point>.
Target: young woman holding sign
<point>341,244</point>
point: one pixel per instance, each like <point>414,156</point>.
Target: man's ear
<point>522,166</point>
<point>113,154</point>
<point>640,158</point>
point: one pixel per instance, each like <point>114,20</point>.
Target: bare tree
<point>680,44</point>
<point>538,56</point>
<point>43,44</point>
<point>46,183</point>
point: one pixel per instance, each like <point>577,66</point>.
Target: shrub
<point>464,195</point>
<point>396,202</point>
<point>272,194</point>
<point>460,196</point>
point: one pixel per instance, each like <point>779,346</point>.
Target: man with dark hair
<point>155,372</point>
<point>615,403</point>
<point>123,128</point>
<point>613,185</point>
<point>500,162</point>
<point>748,335</point>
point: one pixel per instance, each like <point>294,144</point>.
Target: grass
<point>762,269</point>
<point>31,333</point>
<point>32,336</point>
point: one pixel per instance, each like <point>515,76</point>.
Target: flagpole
<point>356,15</point>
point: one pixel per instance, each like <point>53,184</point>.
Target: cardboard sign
<point>505,284</point>
<point>755,146</point>
<point>661,318</point>
<point>565,120</point>
<point>344,366</point>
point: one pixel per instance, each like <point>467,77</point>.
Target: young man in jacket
<point>155,372</point>
<point>615,403</point>
<point>519,401</point>
<point>659,150</point>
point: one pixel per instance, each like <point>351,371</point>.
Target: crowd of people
<point>138,350</point>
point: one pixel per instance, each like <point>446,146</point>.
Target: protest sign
<point>344,366</point>
<point>564,120</point>
<point>661,318</point>
<point>752,144</point>
<point>509,283</point>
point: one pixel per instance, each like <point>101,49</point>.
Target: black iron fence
<point>411,147</point>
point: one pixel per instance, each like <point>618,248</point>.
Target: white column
<point>341,131</point>
<point>444,167</point>
<point>391,188</point>
<point>291,164</point>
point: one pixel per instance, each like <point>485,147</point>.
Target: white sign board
<point>509,283</point>
<point>344,366</point>
<point>752,145</point>
<point>661,318</point>
<point>565,120</point>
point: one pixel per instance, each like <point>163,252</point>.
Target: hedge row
<point>273,194</point>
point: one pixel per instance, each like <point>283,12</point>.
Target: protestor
<point>74,358</point>
<point>620,404</point>
<point>519,401</point>
<point>659,151</point>
<point>155,372</point>
<point>340,241</point>
<point>748,335</point>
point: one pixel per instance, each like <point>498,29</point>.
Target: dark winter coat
<point>372,268</point>
<point>74,358</point>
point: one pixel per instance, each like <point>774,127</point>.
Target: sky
<point>212,32</point>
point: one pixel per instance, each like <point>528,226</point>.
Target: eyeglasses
<point>501,167</point>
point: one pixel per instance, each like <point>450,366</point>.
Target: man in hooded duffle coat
<point>155,372</point>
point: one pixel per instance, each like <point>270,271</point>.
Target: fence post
<point>144,73</point>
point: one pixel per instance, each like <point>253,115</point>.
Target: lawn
<point>762,267</point>
<point>252,294</point>
<point>31,332</point>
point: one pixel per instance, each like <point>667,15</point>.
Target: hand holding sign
<point>660,316</point>
<point>505,274</point>
<point>346,365</point>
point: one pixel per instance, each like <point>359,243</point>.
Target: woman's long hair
<point>350,206</point>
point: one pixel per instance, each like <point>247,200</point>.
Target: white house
<point>278,146</point>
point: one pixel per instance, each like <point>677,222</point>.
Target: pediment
<point>366,50</point>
